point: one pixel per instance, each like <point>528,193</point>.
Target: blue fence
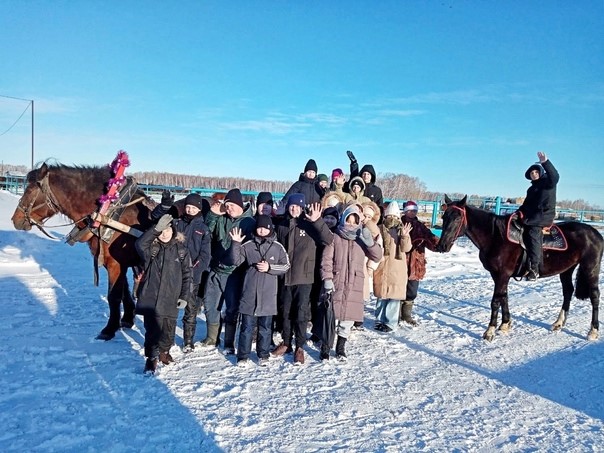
<point>428,210</point>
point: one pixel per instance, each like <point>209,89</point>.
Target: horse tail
<point>588,274</point>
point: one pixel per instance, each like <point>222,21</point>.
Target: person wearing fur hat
<point>370,219</point>
<point>223,287</point>
<point>266,259</point>
<point>341,263</point>
<point>390,277</point>
<point>300,232</point>
<point>164,288</point>
<point>356,191</point>
<point>197,239</point>
<point>422,238</point>
<point>538,210</point>
<point>367,173</point>
<point>307,184</point>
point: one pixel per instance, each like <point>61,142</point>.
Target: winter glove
<point>167,199</point>
<point>328,285</point>
<point>353,160</point>
<point>365,236</point>
<point>163,222</point>
<point>181,303</point>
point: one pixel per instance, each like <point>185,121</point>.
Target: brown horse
<point>74,192</point>
<point>501,257</point>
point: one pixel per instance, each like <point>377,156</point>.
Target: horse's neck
<point>480,227</point>
<point>77,193</point>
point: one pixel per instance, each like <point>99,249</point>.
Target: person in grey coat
<point>266,260</point>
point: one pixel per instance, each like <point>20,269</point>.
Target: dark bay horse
<point>500,257</point>
<point>74,192</point>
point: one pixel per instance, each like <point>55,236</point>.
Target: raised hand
<point>163,222</point>
<point>351,156</point>
<point>236,234</point>
<point>542,156</point>
<point>406,229</point>
<point>314,212</point>
<point>167,199</point>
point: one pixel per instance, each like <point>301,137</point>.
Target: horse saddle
<point>553,237</point>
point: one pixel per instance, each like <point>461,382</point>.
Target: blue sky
<point>460,94</point>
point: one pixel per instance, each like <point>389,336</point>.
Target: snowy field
<point>435,388</point>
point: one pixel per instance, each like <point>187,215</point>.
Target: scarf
<point>348,232</point>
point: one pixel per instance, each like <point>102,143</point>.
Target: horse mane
<point>497,222</point>
<point>76,178</point>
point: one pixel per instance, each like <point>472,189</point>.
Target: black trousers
<point>533,239</point>
<point>159,335</point>
<point>296,313</point>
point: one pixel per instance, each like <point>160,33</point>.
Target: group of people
<point>262,269</point>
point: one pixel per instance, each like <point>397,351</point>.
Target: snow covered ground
<point>438,387</point>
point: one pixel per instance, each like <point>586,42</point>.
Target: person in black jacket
<point>198,241</point>
<point>307,184</point>
<point>266,260</point>
<point>165,287</point>
<point>538,210</point>
<point>300,233</point>
<point>367,173</point>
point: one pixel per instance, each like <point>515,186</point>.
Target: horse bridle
<point>464,221</point>
<point>50,200</point>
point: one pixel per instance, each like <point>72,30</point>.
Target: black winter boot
<point>340,350</point>
<point>229,338</point>
<point>324,355</point>
<point>407,307</point>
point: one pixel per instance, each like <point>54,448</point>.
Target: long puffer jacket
<point>343,261</point>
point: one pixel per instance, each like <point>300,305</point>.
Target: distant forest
<point>394,186</point>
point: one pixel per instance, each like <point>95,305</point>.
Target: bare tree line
<point>394,186</point>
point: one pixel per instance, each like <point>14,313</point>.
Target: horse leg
<point>594,297</point>
<point>500,299</point>
<point>114,299</point>
<point>566,278</point>
<point>128,316</point>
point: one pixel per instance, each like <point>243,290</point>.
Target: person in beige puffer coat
<point>390,278</point>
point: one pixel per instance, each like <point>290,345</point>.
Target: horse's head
<point>454,223</point>
<point>38,203</point>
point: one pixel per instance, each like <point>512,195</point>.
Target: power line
<point>17,120</point>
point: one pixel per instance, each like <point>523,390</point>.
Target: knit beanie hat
<point>323,177</point>
<point>194,199</point>
<point>264,197</point>
<point>393,209</point>
<point>332,211</point>
<point>311,165</point>
<point>234,196</point>
<point>296,198</point>
<point>336,172</point>
<point>264,221</point>
<point>410,205</point>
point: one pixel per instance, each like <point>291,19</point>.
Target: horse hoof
<point>593,335</point>
<point>556,327</point>
<point>126,325</point>
<point>489,335</point>
<point>505,327</point>
<point>105,336</point>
